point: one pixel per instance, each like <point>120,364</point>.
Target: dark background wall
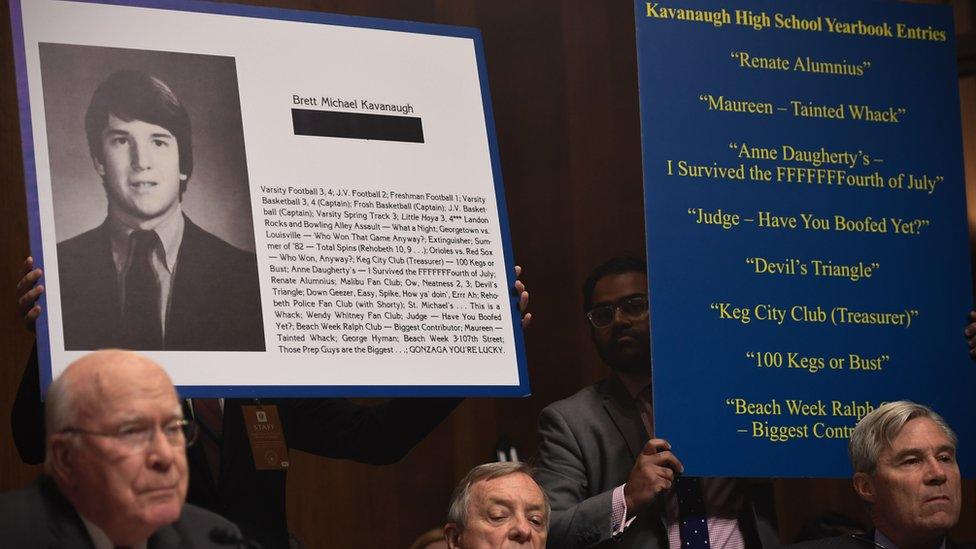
<point>563,80</point>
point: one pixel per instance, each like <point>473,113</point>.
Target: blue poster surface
<point>267,202</point>
<point>806,230</point>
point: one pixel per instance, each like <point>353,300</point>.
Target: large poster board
<point>806,230</point>
<point>322,194</point>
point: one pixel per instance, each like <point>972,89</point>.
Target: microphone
<point>226,536</point>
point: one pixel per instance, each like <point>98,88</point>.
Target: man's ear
<point>99,167</point>
<point>453,535</point>
<point>864,486</point>
<point>61,459</point>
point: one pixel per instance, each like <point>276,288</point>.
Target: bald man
<point>115,473</point>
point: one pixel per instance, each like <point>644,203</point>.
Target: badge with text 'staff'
<point>266,436</point>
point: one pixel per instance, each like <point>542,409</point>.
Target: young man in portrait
<point>148,277</point>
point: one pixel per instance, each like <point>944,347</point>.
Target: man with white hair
<point>498,505</point>
<point>115,473</point>
<point>905,472</point>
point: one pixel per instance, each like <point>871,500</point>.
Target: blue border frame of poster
<point>282,14</point>
<point>936,369</point>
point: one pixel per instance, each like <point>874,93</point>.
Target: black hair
<point>615,265</point>
<point>134,95</point>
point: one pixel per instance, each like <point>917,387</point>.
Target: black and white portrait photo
<point>151,201</point>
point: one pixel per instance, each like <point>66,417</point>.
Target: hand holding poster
<point>806,226</point>
<point>267,201</point>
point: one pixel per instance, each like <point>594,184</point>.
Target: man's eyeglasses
<point>634,308</point>
<point>136,438</point>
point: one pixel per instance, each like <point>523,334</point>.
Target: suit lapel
<point>187,285</point>
<point>66,527</point>
<point>624,415</point>
<point>101,303</point>
<point>748,524</point>
<point>108,291</point>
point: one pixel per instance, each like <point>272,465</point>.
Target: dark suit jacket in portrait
<point>588,445</point>
<point>255,500</point>
<point>215,301</point>
<point>40,517</point>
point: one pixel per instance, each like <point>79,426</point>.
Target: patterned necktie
<point>691,514</point>
<point>142,326</point>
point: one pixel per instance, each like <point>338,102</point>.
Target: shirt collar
<point>169,229</point>
<point>634,384</point>
<point>101,540</point>
<point>884,541</point>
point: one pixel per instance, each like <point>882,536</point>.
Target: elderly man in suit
<point>609,480</point>
<point>116,470</point>
<point>905,472</point>
<point>498,505</point>
<point>228,482</point>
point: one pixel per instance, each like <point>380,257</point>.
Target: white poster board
<point>343,216</point>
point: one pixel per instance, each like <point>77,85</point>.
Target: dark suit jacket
<point>40,517</point>
<point>588,445</point>
<point>215,302</point>
<point>859,541</point>
<point>255,500</point>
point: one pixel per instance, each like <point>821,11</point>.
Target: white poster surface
<point>321,197</point>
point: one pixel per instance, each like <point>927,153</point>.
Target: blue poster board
<point>806,227</point>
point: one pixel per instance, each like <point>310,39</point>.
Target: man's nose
<point>160,454</point>
<point>935,473</point>
<point>619,317</point>
<point>139,155</point>
<point>521,530</point>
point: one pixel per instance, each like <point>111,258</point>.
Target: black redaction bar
<point>353,125</point>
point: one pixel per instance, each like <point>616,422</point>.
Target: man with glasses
<point>226,479</point>
<point>115,473</point>
<point>610,482</point>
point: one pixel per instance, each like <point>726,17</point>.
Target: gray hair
<point>59,408</point>
<point>876,430</point>
<point>457,513</point>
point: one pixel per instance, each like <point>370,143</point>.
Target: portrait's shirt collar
<point>163,260</point>
<point>100,539</point>
<point>170,231</point>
